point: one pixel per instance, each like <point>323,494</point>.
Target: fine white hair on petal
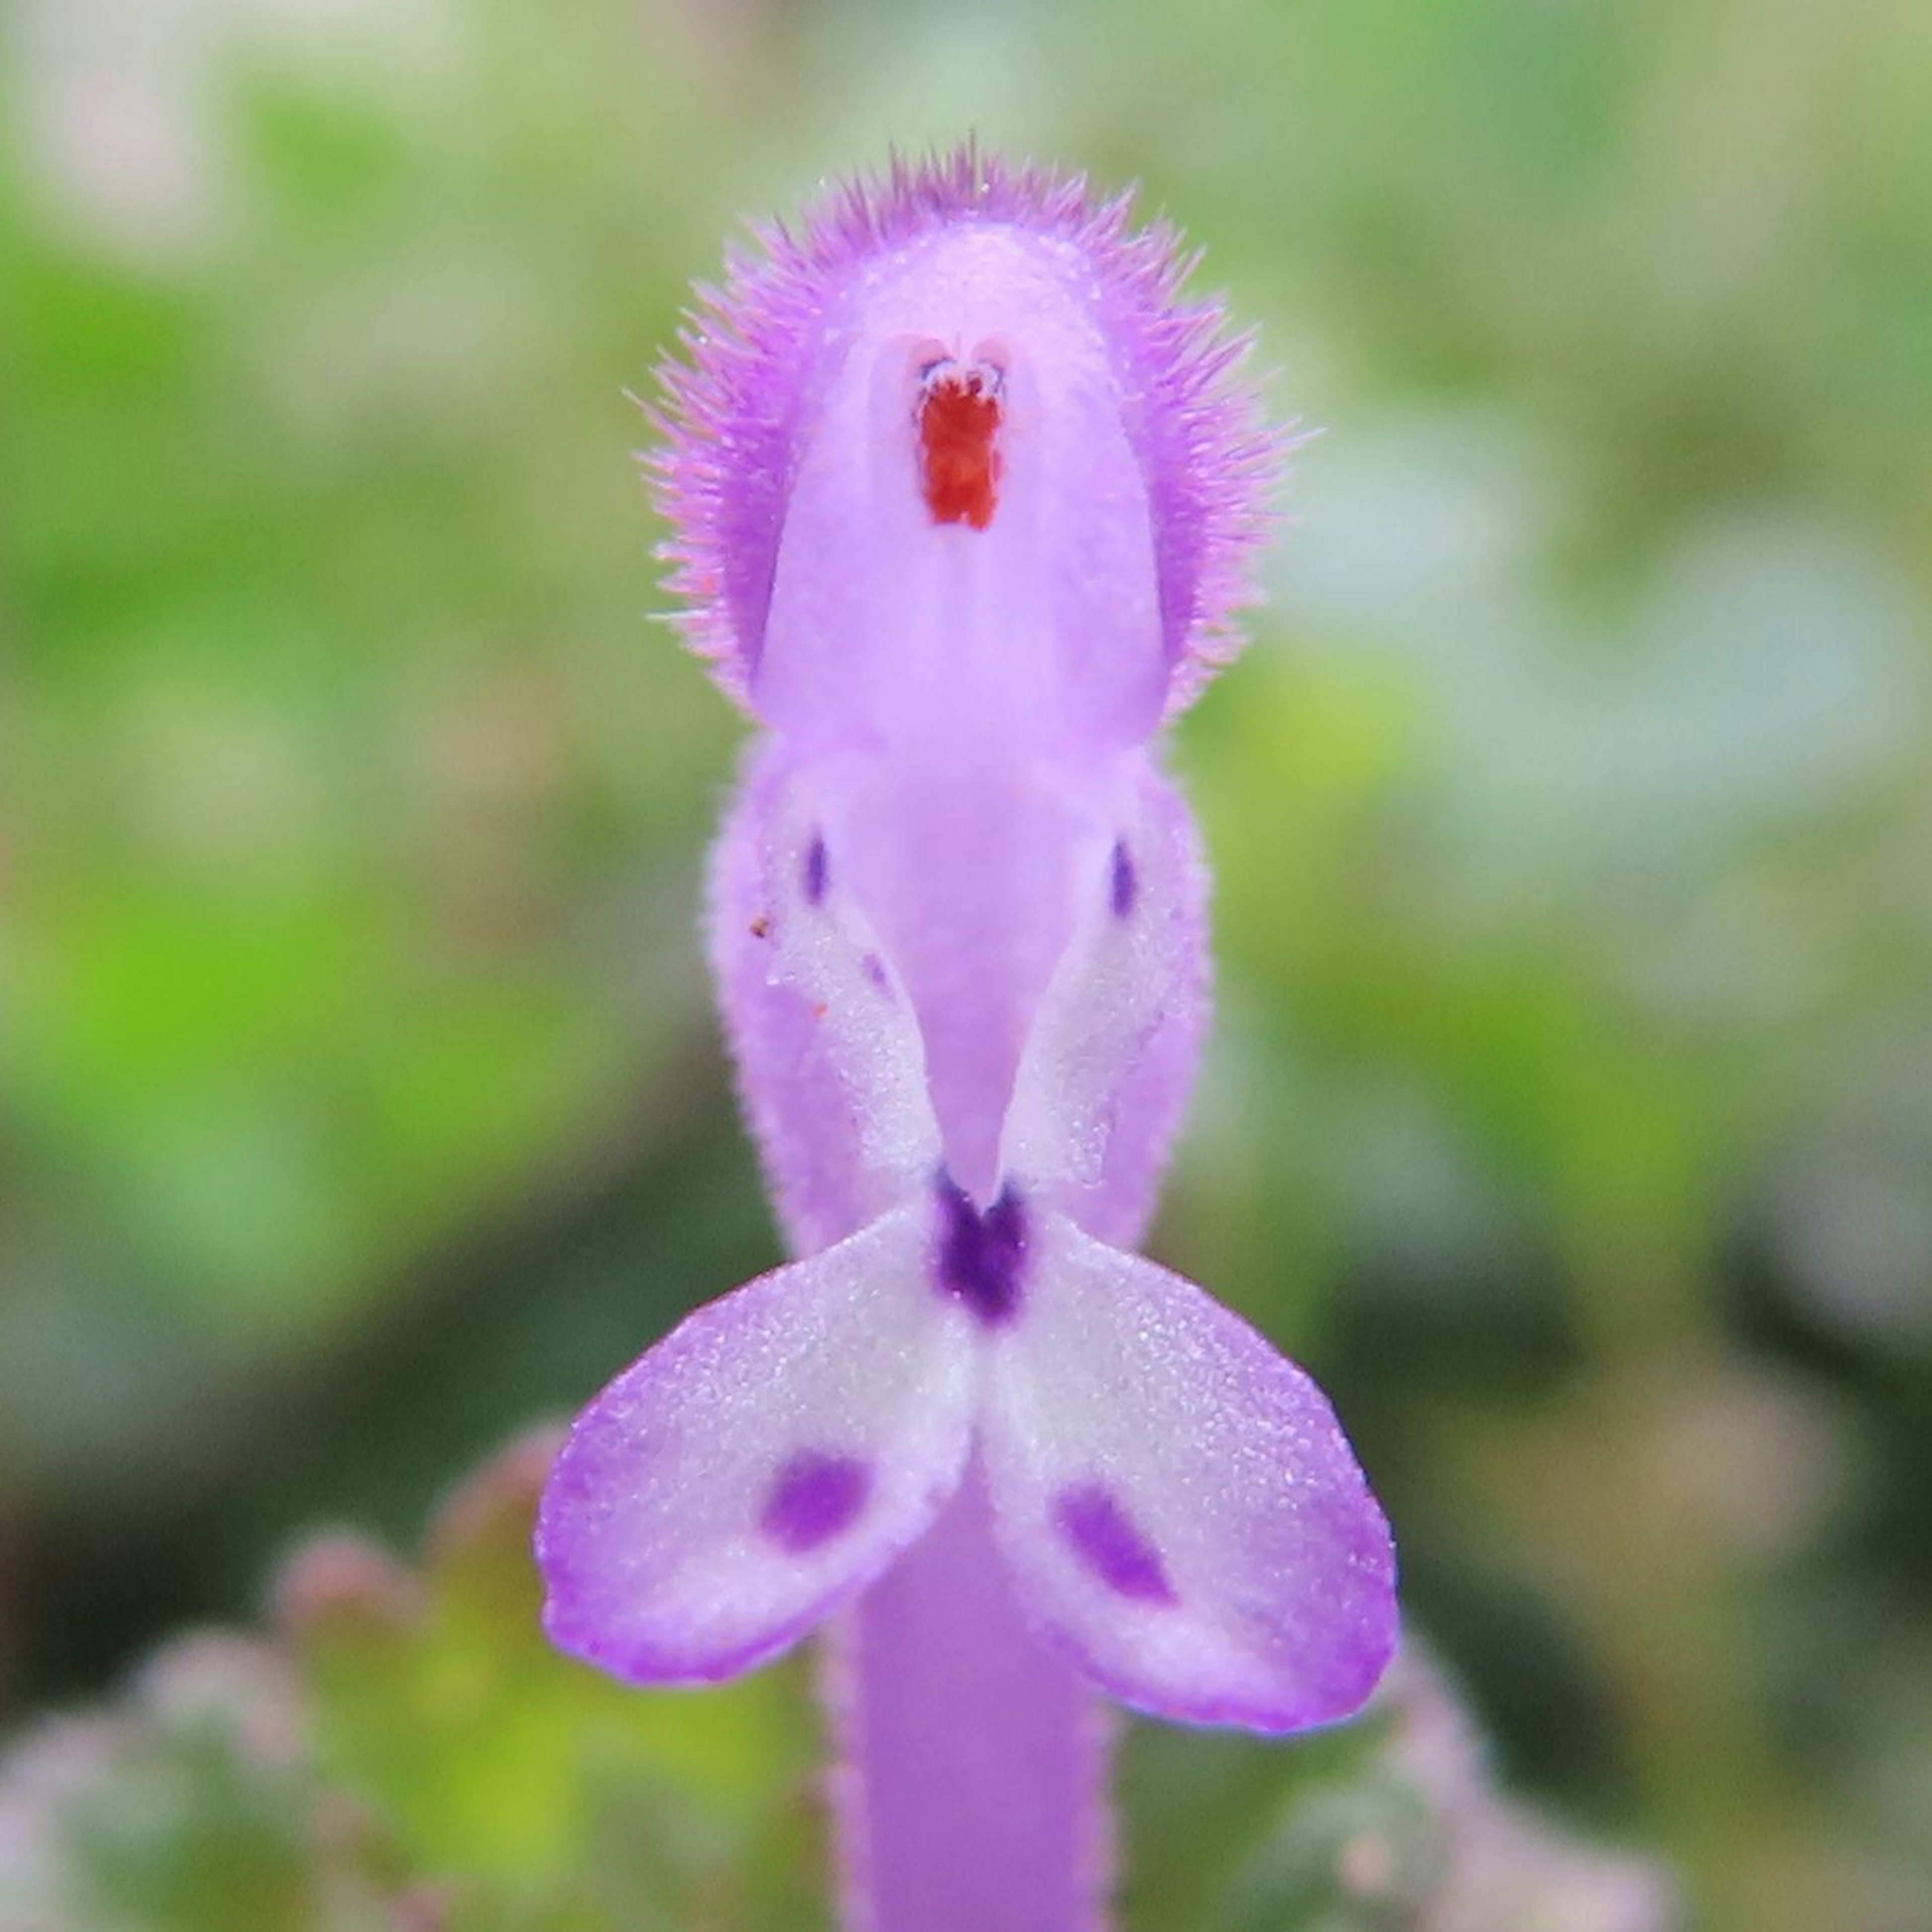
<point>731,405</point>
<point>762,1464</point>
<point>1185,1519</point>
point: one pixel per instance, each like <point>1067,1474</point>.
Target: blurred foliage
<point>405,1751</point>
<point>1571,1110</point>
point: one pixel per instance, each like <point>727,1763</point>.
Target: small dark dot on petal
<point>817,872</point>
<point>874,968</point>
<point>1124,884</point>
<point>813,1498</point>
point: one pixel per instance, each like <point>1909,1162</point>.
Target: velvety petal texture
<point>766,351</point>
<point>1111,1052</point>
<point>992,1750</point>
<point>763,1462</point>
<point>963,493</point>
<point>1182,1512</point>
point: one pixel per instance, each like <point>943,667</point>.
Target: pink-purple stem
<point>970,1785</point>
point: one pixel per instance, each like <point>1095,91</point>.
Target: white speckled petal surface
<point>1183,1516</point>
<point>1110,1053</point>
<point>763,1462</point>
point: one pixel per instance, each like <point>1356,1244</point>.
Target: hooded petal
<point>1182,1514</point>
<point>751,394</point>
<point>763,1462</point>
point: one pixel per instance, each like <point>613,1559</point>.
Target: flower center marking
<point>982,1256</point>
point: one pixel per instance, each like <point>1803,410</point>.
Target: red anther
<point>959,419</point>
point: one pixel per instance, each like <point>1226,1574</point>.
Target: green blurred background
<point>1570,1107</point>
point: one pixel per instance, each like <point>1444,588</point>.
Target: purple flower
<point>964,495</point>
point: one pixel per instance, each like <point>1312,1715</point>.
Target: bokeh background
<point>1570,1109</point>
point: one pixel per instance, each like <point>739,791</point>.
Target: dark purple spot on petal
<point>1103,1537</point>
<point>981,1256</point>
<point>817,872</point>
<point>874,968</point>
<point>813,1498</point>
<point>1124,884</point>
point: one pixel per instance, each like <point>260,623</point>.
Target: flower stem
<point>970,1792</point>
